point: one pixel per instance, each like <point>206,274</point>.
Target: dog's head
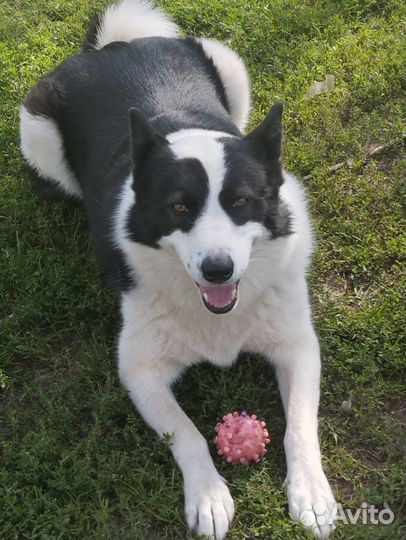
<point>209,198</point>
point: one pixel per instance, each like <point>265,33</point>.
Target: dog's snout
<point>217,269</point>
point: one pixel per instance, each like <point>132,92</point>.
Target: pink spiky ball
<point>241,438</point>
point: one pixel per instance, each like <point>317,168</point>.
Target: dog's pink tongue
<point>220,295</point>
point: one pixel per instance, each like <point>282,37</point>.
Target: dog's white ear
<point>143,138</point>
<point>267,137</point>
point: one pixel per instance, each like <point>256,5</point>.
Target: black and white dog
<point>204,235</point>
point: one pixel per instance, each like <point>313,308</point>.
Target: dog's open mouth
<point>219,298</point>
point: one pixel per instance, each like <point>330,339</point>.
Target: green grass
<point>77,460</point>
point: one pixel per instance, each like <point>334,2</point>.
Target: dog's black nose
<point>217,269</point>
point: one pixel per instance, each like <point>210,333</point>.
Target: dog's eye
<point>179,208</point>
<point>240,202</point>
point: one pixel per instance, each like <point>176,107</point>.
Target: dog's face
<point>209,199</point>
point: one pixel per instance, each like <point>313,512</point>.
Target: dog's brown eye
<point>240,202</point>
<point>179,208</point>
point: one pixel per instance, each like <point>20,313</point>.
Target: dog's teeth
<point>234,293</point>
<point>205,297</point>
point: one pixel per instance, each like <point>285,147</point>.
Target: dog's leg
<point>147,370</point>
<point>298,371</point>
<point>292,346</point>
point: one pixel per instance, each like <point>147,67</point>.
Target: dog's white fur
<point>234,77</point>
<point>128,20</point>
<point>42,146</point>
<point>166,326</point>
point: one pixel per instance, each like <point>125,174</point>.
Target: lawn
<point>77,461</point>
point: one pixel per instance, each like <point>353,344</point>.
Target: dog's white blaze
<point>42,146</point>
<point>214,231</point>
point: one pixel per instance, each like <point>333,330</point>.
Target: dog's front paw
<point>209,507</point>
<point>311,501</point>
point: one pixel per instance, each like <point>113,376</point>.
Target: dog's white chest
<point>217,340</point>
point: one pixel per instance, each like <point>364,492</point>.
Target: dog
<point>203,234</point>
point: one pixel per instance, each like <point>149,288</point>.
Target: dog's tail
<point>128,20</point>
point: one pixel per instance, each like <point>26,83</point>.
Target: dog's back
<point>132,58</point>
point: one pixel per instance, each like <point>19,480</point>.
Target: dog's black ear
<point>267,137</point>
<point>143,138</point>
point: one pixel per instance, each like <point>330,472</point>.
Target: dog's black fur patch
<point>45,99</point>
<point>212,71</point>
<point>90,39</point>
<point>164,180</point>
<point>254,171</point>
<point>115,268</point>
